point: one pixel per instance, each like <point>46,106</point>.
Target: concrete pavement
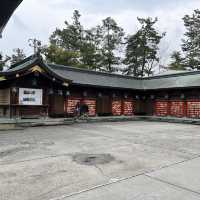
<point>152,160</point>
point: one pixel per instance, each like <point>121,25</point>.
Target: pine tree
<point>59,55</point>
<point>18,56</point>
<point>176,61</point>
<point>74,45</point>
<point>142,49</point>
<point>3,61</point>
<point>90,54</point>
<point>191,42</point>
<point>111,38</point>
<point>70,37</point>
<point>132,56</point>
<point>64,47</point>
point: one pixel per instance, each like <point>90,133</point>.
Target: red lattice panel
<point>70,105</point>
<point>161,108</point>
<point>128,108</point>
<point>117,107</point>
<point>91,106</point>
<point>193,109</point>
<point>177,108</point>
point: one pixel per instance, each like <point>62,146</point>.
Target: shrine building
<point>34,88</point>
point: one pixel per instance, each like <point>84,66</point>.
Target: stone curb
<point>17,125</point>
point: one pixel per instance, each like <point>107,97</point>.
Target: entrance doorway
<point>56,106</point>
<point>104,106</point>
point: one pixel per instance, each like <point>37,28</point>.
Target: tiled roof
<point>101,79</point>
<point>86,77</point>
<point>180,80</point>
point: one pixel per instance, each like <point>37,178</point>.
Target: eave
<point>35,66</point>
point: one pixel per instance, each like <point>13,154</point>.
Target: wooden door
<point>149,107</point>
<point>140,107</point>
<point>104,105</point>
<point>56,106</point>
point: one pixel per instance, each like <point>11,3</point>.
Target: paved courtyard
<point>115,161</point>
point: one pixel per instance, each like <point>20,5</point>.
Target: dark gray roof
<point>180,80</point>
<point>171,72</point>
<point>23,64</point>
<point>100,79</point>
<point>86,77</point>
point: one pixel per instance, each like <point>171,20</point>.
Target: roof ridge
<point>172,75</point>
<point>29,58</point>
<point>126,76</point>
<point>93,72</point>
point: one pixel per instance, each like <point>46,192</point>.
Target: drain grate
<point>92,159</point>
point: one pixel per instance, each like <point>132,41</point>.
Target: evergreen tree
<point>176,61</point>
<point>90,54</point>
<point>191,42</point>
<point>59,55</point>
<point>65,44</point>
<point>73,45</point>
<point>3,61</point>
<point>142,49</point>
<point>70,37</point>
<point>132,56</point>
<point>18,56</point>
<point>111,38</point>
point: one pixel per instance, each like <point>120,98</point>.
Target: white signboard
<point>28,96</point>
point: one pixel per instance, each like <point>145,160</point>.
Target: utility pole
<point>35,44</point>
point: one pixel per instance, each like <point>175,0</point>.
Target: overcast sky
<point>39,18</point>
